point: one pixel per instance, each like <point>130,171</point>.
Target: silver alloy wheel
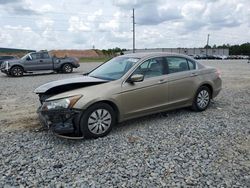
<point>203,99</point>
<point>67,68</point>
<point>99,121</point>
<point>17,71</point>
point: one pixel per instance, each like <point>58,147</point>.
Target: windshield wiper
<point>102,78</point>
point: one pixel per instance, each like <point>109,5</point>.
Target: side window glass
<point>151,68</point>
<point>33,56</point>
<point>177,64</point>
<point>191,65</point>
<point>45,55</point>
<point>38,56</point>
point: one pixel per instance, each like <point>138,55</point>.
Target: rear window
<point>36,56</point>
<point>191,65</point>
<point>45,55</point>
<point>177,64</point>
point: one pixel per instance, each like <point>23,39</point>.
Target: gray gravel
<point>175,149</point>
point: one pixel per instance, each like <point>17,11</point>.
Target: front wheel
<point>16,71</point>
<point>97,120</point>
<point>67,68</point>
<point>202,99</point>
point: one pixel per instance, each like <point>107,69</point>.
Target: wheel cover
<point>17,71</point>
<point>203,99</point>
<point>99,121</point>
<point>67,68</point>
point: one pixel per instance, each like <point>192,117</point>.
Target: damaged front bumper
<point>4,70</point>
<point>62,122</point>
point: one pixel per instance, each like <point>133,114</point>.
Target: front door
<point>150,95</point>
<point>31,62</point>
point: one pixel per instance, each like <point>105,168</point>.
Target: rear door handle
<point>194,74</point>
<point>162,81</point>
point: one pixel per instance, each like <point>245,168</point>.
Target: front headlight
<point>64,103</point>
<point>6,65</point>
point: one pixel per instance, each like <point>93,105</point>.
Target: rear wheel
<point>67,68</point>
<point>16,71</point>
<point>97,120</point>
<point>202,99</point>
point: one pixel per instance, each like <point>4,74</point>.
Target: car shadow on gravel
<point>141,122</point>
<point>147,120</point>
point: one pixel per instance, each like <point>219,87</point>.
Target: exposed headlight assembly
<point>58,104</point>
<point>6,65</point>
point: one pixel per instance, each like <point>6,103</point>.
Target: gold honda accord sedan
<point>126,87</point>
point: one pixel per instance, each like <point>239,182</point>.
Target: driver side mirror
<point>136,78</point>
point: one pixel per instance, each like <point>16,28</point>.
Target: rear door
<point>45,62</point>
<point>148,96</point>
<point>182,80</point>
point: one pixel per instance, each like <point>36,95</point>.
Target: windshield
<point>25,57</point>
<point>114,68</point>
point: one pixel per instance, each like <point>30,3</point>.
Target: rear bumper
<point>217,87</point>
<point>61,122</point>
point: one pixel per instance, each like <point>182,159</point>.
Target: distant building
<point>187,51</point>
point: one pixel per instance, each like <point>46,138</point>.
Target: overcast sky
<point>82,24</point>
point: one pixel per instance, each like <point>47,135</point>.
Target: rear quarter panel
<point>209,76</point>
<point>72,61</point>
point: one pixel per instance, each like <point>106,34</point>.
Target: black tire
<point>202,99</point>
<point>99,127</point>
<point>67,68</point>
<point>16,71</point>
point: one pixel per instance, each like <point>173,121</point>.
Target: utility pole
<point>133,30</point>
<point>207,44</point>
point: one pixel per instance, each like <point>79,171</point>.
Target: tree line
<point>242,49</point>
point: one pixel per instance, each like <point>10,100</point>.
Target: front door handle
<point>41,60</point>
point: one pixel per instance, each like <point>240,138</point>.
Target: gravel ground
<point>174,149</point>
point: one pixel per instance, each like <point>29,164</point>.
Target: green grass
<point>93,59</point>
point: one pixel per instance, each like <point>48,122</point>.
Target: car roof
<point>152,54</point>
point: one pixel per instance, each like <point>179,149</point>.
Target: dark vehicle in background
<point>208,57</point>
<point>38,61</point>
<point>6,57</point>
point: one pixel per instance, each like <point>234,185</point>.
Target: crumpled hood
<point>67,84</point>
